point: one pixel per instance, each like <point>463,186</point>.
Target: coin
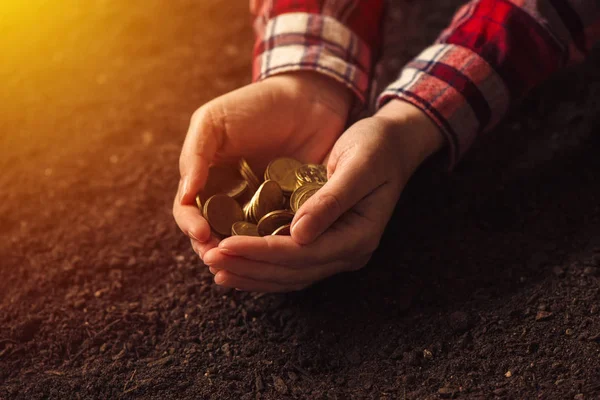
<point>221,212</point>
<point>282,230</point>
<point>222,179</point>
<point>246,210</point>
<point>244,228</point>
<point>283,171</point>
<point>199,203</point>
<point>273,220</point>
<point>307,195</point>
<point>311,173</point>
<point>267,198</point>
<point>286,201</point>
<point>303,193</point>
<point>249,175</point>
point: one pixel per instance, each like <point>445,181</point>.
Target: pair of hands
<point>302,115</point>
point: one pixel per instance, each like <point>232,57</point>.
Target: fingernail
<point>184,189</point>
<point>228,252</point>
<point>301,230</point>
<point>219,279</point>
<point>190,234</point>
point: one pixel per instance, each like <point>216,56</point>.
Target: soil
<point>486,284</point>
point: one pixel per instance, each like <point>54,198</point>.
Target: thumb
<point>351,181</point>
<point>203,139</point>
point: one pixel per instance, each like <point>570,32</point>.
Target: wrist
<point>318,88</point>
<point>419,137</point>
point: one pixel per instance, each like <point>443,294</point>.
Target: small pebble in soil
<point>590,271</point>
<point>569,332</point>
<point>446,392</point>
<point>543,315</point>
<point>508,374</point>
<point>427,354</point>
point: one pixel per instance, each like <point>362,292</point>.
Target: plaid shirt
<point>491,55</point>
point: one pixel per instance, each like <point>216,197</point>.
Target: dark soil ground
<point>486,284</point>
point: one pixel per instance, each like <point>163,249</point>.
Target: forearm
<point>491,55</point>
<point>338,40</point>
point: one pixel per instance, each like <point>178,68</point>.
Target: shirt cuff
<point>457,89</point>
<point>312,42</point>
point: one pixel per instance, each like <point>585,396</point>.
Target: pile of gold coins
<point>235,202</point>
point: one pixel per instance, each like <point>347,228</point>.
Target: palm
<point>265,121</point>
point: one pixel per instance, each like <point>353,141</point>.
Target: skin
<point>338,228</point>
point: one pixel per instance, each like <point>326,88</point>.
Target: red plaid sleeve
<point>338,38</point>
<point>490,56</point>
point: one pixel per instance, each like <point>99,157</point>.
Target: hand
<point>299,115</point>
<point>339,227</point>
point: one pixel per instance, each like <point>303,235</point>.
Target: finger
<point>202,248</point>
<point>262,271</point>
<point>332,246</point>
<point>351,181</point>
<point>191,222</point>
<point>228,279</point>
<point>205,135</point>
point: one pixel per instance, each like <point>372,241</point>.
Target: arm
<point>338,39</point>
<point>490,56</point>
<point>300,111</point>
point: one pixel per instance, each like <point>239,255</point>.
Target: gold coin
<point>286,201</point>
<point>273,220</point>
<point>221,212</point>
<point>199,203</point>
<point>311,173</point>
<point>222,179</point>
<point>267,198</point>
<point>246,209</point>
<point>283,171</point>
<point>244,228</point>
<point>307,195</point>
<point>303,193</point>
<point>249,175</point>
<point>282,230</point>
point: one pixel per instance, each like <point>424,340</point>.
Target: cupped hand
<point>299,114</point>
<point>338,228</point>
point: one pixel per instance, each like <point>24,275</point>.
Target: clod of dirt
<point>280,385</point>
<point>258,383</point>
<point>354,357</point>
<point>459,321</point>
<point>26,331</point>
<point>447,393</point>
<point>558,271</point>
<point>412,358</point>
<point>543,315</point>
